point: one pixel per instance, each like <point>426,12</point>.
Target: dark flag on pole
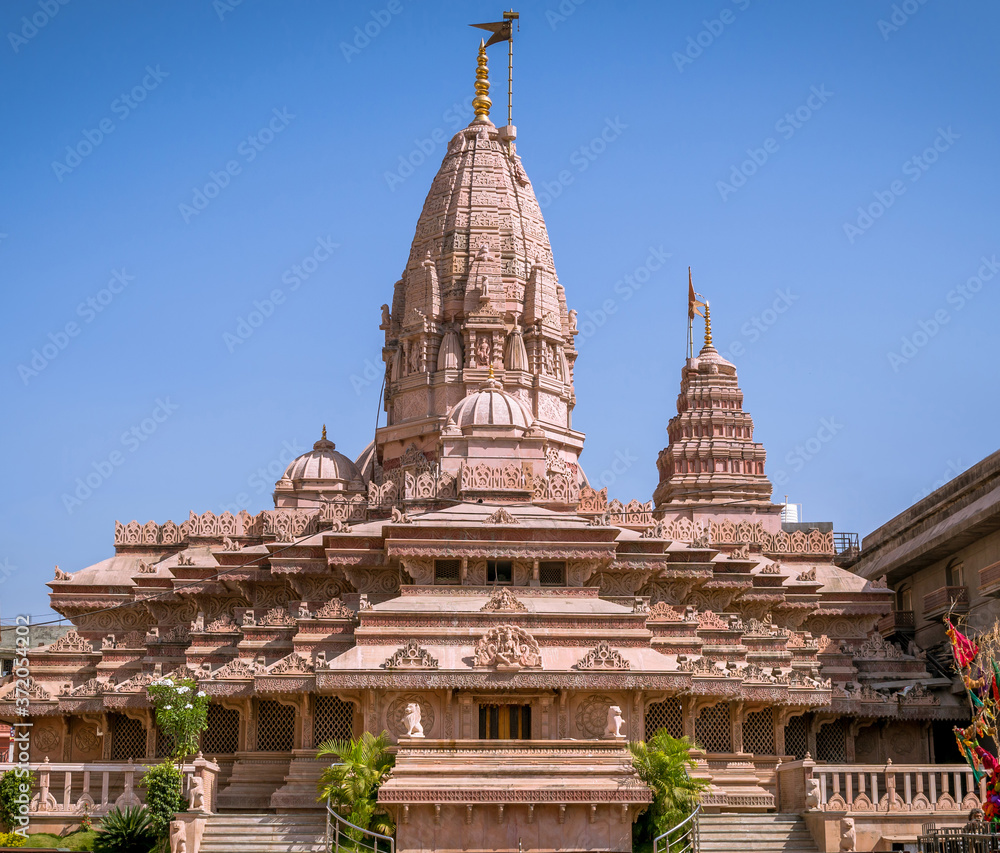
<point>502,31</point>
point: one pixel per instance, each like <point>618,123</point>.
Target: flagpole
<point>510,17</point>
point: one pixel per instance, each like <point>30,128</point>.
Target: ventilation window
<point>499,571</point>
<point>447,571</point>
<point>552,573</point>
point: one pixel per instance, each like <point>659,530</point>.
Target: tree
<point>181,713</point>
<point>662,762</point>
<point>352,784</point>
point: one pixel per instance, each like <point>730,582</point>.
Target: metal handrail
<point>687,841</point>
<point>334,833</point>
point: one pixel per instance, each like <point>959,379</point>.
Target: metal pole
<point>510,79</point>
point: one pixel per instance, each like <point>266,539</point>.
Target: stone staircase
<point>754,833</point>
<point>264,833</point>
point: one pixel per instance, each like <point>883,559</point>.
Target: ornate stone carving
<point>508,647</point>
<point>223,625</point>
<point>277,616</point>
<point>592,715</point>
<point>411,656</point>
<point>613,727</point>
<point>71,641</point>
<point>502,600</point>
<point>293,664</point>
<point>335,609</point>
<point>876,646</point>
<point>501,516</point>
<point>412,720</point>
<point>239,669</point>
<point>398,710</point>
<point>603,657</point>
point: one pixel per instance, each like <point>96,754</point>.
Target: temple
<point>460,585</point>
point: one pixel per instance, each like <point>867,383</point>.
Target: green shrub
<point>128,830</point>
<point>164,795</point>
<point>662,762</point>
<point>14,784</point>
<point>352,784</point>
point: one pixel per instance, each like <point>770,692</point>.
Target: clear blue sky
<point>182,89</point>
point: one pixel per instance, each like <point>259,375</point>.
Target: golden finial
<point>491,376</point>
<point>482,103</point>
<point>324,433</point>
<point>708,325</point>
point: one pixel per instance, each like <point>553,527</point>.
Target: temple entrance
<point>505,722</point>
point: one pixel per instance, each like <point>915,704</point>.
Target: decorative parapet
<point>728,532</point>
<point>208,525</point>
<point>347,510</point>
<point>632,514</point>
<point>592,502</point>
<point>508,477</point>
<point>335,609</point>
<point>288,524</point>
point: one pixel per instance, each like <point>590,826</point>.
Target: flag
<point>502,31</point>
<point>693,302</point>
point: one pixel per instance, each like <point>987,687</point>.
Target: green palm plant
<point>352,784</point>
<point>127,830</point>
<point>663,762</point>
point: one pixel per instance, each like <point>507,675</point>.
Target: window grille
<point>275,726</point>
<point>552,573</point>
<point>758,732</point>
<point>164,743</point>
<point>499,571</point>
<point>713,730</point>
<point>831,742</point>
<point>796,741</point>
<point>128,738</point>
<point>447,571</point>
<point>222,737</point>
<point>665,715</point>
<point>334,719</point>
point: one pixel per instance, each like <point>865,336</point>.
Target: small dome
<point>491,406</point>
<point>322,463</point>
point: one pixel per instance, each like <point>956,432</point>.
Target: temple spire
<point>708,325</point>
<point>482,103</point>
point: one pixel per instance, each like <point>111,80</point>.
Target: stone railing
<point>94,788</point>
<point>805,786</point>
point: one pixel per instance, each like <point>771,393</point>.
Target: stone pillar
<point>449,714</point>
<point>250,729</point>
<point>67,739</point>
<point>545,721</point>
<point>308,716</point>
<point>635,723</point>
<point>562,728</point>
<point>736,724</point>
<point>778,719</point>
<point>465,717</point>
<point>689,711</point>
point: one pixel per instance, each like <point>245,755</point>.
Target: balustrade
<point>96,788</point>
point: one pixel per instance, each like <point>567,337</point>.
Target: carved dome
<point>490,407</point>
<point>323,462</point>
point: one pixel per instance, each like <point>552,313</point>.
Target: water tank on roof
<point>790,513</point>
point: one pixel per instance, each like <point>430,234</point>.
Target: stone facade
<point>462,574</point>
